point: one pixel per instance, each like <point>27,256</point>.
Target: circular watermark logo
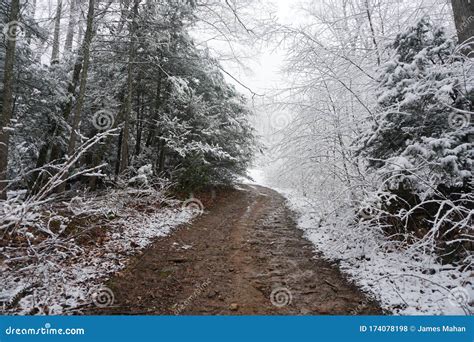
<point>102,297</point>
<point>103,120</point>
<point>12,29</point>
<point>194,205</point>
<point>459,297</point>
<point>367,213</point>
<point>281,297</point>
<point>280,121</point>
<point>459,120</point>
<point>76,205</point>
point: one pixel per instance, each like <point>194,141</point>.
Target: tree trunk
<point>57,30</point>
<point>140,111</point>
<point>70,27</point>
<point>119,154</point>
<point>464,19</point>
<point>85,51</point>
<point>372,31</point>
<point>80,24</point>
<point>128,100</point>
<point>153,130</point>
<point>71,90</point>
<point>162,159</point>
<point>85,54</point>
<point>31,14</point>
<point>7,109</point>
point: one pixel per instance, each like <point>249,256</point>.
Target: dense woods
<point>374,132</point>
<point>106,105</point>
<point>127,68</point>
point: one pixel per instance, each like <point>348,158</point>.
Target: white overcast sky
<point>264,73</point>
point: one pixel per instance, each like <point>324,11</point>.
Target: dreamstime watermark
<point>465,24</point>
<point>459,120</point>
<point>360,308</point>
<point>280,120</point>
<point>12,29</point>
<point>459,297</point>
<point>76,205</point>
<point>297,272</point>
<point>46,330</point>
<point>280,297</point>
<point>178,308</point>
<point>367,213</point>
<point>102,296</point>
<point>103,120</point>
<point>194,205</point>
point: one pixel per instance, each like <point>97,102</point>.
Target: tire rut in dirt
<point>245,256</point>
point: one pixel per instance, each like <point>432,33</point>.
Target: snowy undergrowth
<point>59,275</point>
<point>404,280</point>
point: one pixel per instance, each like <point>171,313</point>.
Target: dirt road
<point>243,256</point>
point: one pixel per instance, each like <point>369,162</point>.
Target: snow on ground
<point>405,282</point>
<point>257,176</point>
<point>69,276</point>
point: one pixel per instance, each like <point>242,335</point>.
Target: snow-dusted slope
<point>68,275</point>
<point>404,281</point>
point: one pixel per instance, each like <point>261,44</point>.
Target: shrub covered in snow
<point>421,144</point>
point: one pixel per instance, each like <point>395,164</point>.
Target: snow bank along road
<point>244,255</point>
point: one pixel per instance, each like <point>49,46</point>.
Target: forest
<point>123,121</point>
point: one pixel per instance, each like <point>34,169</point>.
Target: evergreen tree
<point>134,67</point>
<point>422,137</point>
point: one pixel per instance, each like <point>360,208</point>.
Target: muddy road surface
<point>243,256</point>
